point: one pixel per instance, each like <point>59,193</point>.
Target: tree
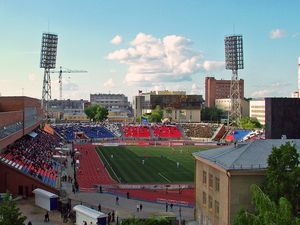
<point>249,123</point>
<point>155,116</point>
<point>267,212</point>
<point>211,114</point>
<point>283,173</point>
<point>9,212</point>
<point>96,112</point>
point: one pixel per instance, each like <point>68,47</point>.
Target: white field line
<point>110,166</point>
<point>164,177</point>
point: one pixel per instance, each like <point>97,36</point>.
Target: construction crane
<point>60,72</point>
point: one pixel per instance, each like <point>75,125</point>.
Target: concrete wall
<point>240,195</point>
<point>203,213</point>
<point>234,192</point>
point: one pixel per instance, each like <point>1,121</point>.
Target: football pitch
<point>136,164</point>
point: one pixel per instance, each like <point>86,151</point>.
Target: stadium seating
<point>136,131</point>
<point>33,156</point>
<point>237,135</point>
<point>68,131</point>
<point>166,131</point>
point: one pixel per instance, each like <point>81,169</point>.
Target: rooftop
<point>245,156</point>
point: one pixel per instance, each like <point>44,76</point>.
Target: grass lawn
<point>160,163</point>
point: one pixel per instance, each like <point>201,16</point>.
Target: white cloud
<point>116,40</point>
<point>109,83</point>
<point>152,60</point>
<point>277,33</point>
<point>271,90</point>
<point>213,65</point>
<point>195,90</point>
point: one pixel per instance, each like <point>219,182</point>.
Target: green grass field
<point>160,163</point>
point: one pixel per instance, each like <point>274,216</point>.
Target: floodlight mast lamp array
<point>234,61</point>
<point>48,61</point>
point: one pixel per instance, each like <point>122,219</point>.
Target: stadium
<point>151,162</point>
<point>145,162</point>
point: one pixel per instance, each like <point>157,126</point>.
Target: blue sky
<point>166,44</point>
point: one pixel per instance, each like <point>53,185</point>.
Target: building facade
<point>219,89</point>
<point>175,105</point>
<point>18,116</point>
<point>67,109</point>
<point>258,110</point>
<point>282,118</point>
<point>119,108</point>
<point>223,177</point>
<point>225,105</point>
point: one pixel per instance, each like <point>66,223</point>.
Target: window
<point>210,202</point>
<point>217,208</point>
<point>204,178</point>
<point>217,184</point>
<point>203,198</point>
<point>210,181</point>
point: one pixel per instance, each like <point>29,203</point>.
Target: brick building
<point>18,116</point>
<point>219,89</point>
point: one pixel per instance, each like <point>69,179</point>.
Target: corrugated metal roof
<point>253,155</point>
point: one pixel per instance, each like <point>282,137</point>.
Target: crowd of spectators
<point>35,154</point>
<point>199,130</point>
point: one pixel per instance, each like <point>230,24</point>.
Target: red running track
<point>92,170</point>
<point>88,176</point>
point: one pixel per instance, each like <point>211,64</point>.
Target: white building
<point>119,108</point>
<point>258,109</point>
<point>225,105</point>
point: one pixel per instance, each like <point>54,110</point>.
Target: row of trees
<point>277,202</point>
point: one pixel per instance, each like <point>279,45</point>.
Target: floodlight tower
<point>234,61</point>
<point>48,61</point>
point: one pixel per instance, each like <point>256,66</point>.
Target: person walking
<point>137,207</point>
<point>171,206</point>
<point>167,206</point>
<point>117,200</point>
<point>99,207</point>
<point>141,207</point>
<point>46,217</point>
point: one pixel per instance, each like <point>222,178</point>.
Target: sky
<point>134,45</point>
